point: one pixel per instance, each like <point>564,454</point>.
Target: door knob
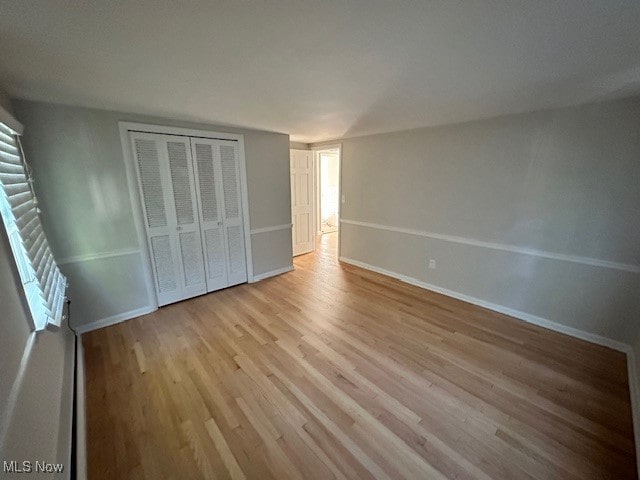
<point>219,224</point>
<point>178,228</point>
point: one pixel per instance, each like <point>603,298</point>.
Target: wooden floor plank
<point>332,371</point>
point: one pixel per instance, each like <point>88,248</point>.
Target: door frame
<point>136,201</point>
<point>317,150</point>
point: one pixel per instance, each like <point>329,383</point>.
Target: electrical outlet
<point>432,263</point>
<point>344,199</point>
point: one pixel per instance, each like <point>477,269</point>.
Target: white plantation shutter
<point>44,284</point>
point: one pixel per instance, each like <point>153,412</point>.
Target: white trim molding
<point>99,256</point>
<point>284,226</point>
<point>272,273</point>
<point>121,317</point>
<point>527,317</point>
<point>594,262</point>
<point>185,132</point>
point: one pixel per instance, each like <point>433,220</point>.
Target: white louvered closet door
<point>232,221</point>
<point>221,209</point>
<point>167,188</point>
<point>206,158</point>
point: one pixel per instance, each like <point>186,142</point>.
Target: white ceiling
<point>320,69</point>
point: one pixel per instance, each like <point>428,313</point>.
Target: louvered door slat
<point>207,170</point>
<point>181,182</point>
<point>151,182</point>
<point>206,181</point>
<point>164,267</point>
<point>190,190</point>
<point>230,181</point>
<point>214,240</point>
<point>191,252</point>
<point>167,187</point>
<point>153,185</point>
<point>236,251</point>
<point>234,227</point>
<point>185,215</point>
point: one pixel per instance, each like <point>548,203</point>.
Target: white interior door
<point>302,201</point>
<point>167,188</point>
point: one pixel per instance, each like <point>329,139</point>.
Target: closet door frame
<point>136,200</point>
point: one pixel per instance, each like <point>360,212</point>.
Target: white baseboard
<point>272,273</point>
<point>527,317</point>
<point>81,422</point>
<point>121,317</point>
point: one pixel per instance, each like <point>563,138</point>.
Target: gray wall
<point>76,155</point>
<point>5,102</point>
<point>36,400</point>
<point>564,181</point>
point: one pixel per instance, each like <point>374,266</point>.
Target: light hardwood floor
<point>333,371</point>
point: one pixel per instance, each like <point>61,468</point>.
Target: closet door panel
<point>152,182</point>
<point>234,228</point>
<point>165,269</point>
<point>185,213</point>
<point>190,191</point>
<point>237,263</point>
<point>209,192</point>
<point>148,164</point>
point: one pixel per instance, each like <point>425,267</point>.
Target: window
<point>43,283</point>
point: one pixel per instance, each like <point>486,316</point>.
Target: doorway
<point>328,191</point>
<point>315,196</point>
